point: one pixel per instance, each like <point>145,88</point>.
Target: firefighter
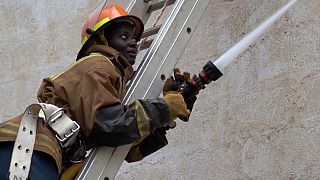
<point>91,91</point>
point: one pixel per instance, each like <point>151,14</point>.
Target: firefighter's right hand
<point>176,104</point>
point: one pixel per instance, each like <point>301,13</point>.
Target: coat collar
<point>115,57</point>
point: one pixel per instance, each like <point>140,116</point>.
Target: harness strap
<point>55,118</point>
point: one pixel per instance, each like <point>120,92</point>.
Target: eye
<point>124,36</point>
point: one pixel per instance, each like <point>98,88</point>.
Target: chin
<point>131,60</point>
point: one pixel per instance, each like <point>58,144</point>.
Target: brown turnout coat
<point>93,82</point>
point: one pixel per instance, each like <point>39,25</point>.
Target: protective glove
<point>179,79</point>
<point>174,82</point>
<point>176,104</point>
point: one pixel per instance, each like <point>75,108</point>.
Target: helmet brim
<point>133,20</point>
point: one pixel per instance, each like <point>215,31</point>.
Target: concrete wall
<point>259,121</point>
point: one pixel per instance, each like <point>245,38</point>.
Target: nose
<point>133,42</point>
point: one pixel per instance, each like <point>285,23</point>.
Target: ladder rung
<point>151,31</point>
<point>159,5</point>
<point>145,44</point>
<point>140,8</point>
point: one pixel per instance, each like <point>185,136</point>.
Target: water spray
<point>213,70</point>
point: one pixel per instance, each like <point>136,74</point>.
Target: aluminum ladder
<point>164,50</point>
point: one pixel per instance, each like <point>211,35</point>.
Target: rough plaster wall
<point>38,39</point>
<point>259,121</point>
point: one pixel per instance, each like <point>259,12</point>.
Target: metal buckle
<point>56,115</point>
<point>72,132</point>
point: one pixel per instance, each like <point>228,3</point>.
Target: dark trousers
<point>42,167</point>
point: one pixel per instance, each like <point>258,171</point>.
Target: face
<point>122,39</point>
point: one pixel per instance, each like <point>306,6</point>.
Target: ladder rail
<point>102,154</point>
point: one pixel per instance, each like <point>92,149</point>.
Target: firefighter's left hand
<point>174,82</point>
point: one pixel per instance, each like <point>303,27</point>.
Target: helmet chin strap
<point>98,37</point>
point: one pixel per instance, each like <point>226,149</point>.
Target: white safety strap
<point>66,131</point>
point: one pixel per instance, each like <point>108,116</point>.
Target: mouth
<point>132,53</point>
